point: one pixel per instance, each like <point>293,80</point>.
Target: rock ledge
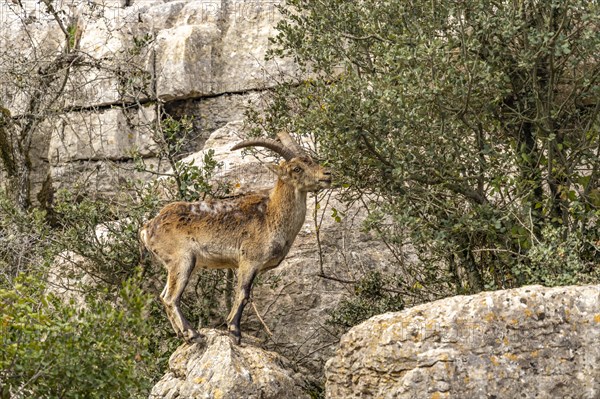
<point>218,369</point>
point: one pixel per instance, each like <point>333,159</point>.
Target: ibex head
<point>298,169</point>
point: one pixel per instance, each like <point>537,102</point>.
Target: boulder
<point>531,342</point>
<point>241,172</point>
<point>217,368</point>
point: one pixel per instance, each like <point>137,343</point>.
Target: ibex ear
<point>279,171</point>
<point>273,167</point>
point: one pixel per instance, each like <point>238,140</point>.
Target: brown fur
<point>251,233</point>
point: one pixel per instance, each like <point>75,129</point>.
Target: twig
<point>261,319</point>
<point>277,296</point>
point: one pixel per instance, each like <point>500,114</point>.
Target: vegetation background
<point>468,130</point>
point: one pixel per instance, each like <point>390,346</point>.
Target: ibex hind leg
<point>242,295</point>
<point>177,280</point>
<point>171,317</point>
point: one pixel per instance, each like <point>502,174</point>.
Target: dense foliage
<point>53,349</point>
<point>80,318</point>
<point>373,294</point>
<point>75,320</point>
<point>469,129</point>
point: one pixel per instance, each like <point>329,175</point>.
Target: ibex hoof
<point>235,335</point>
<point>192,336</point>
<point>236,340</point>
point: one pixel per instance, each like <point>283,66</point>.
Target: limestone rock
<point>95,82</point>
<point>207,48</point>
<point>107,135</point>
<point>208,55</point>
<point>99,177</point>
<point>531,342</point>
<point>220,369</point>
<point>90,136</point>
<point>184,61</point>
<point>242,172</point>
<point>25,34</point>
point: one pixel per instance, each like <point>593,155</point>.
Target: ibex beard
<point>251,233</point>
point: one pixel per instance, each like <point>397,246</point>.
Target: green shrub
<point>556,259</point>
<point>52,349</point>
<point>24,240</point>
<point>470,130</point>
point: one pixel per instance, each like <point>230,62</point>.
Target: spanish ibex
<point>252,233</point>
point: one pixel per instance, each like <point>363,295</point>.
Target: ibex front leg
<point>246,276</point>
<point>177,279</point>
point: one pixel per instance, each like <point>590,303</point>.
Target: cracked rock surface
<point>531,342</point>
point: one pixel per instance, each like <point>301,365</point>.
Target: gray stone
<point>221,370</point>
<point>25,35</point>
<point>102,178</point>
<point>208,48</point>
<point>531,342</point>
<point>104,41</point>
<point>91,136</point>
<point>184,59</point>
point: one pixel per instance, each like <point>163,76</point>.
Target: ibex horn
<point>289,142</point>
<point>272,145</point>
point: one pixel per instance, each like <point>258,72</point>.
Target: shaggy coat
<point>252,233</point>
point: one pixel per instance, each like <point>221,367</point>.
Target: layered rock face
<point>531,342</point>
<point>198,58</point>
<point>218,369</point>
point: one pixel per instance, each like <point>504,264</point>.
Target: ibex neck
<point>287,207</point>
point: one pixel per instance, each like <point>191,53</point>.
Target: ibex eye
<point>297,169</point>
